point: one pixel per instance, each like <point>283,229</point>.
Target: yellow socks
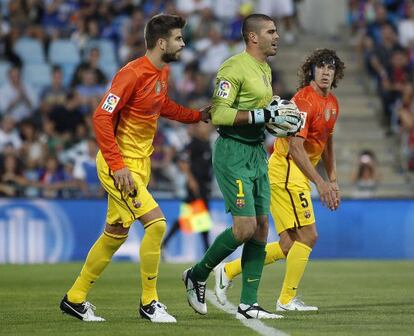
<point>273,253</point>
<point>296,262</point>
<point>150,252</point>
<point>98,258</point>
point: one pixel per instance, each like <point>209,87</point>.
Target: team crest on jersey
<point>307,214</point>
<point>334,113</point>
<point>240,202</point>
<point>110,102</point>
<point>223,89</point>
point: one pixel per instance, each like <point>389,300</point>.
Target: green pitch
<point>355,298</point>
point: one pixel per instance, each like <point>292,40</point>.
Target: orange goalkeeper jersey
<point>320,114</point>
<point>125,120</point>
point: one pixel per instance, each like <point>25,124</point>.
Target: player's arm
<point>171,110</point>
<point>329,162</point>
<point>300,157</point>
<point>228,85</point>
<point>104,119</point>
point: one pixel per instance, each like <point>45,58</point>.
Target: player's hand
<point>124,181</point>
<point>205,113</point>
<point>335,186</point>
<point>282,113</point>
<point>328,195</point>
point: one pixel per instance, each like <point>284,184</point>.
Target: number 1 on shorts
<point>240,184</point>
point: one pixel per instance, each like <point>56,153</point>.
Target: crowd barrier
<point>51,231</point>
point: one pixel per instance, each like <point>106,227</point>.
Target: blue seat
<point>63,51</point>
<point>29,50</point>
<point>39,75</point>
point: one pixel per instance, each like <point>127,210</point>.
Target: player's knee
<point>313,239</point>
<point>244,233</point>
<point>157,227</point>
<point>285,245</point>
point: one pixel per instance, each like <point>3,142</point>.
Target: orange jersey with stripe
<point>320,114</point>
<point>125,120</point>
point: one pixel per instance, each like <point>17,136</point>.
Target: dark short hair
<point>160,26</point>
<point>251,24</point>
<point>318,58</point>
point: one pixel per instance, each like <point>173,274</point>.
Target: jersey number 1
<point>240,184</point>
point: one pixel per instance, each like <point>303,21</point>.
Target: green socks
<point>252,262</point>
<point>224,245</point>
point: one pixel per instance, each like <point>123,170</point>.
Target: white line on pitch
<point>256,325</point>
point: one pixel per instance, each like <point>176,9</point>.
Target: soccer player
<point>125,123</point>
<point>291,168</point>
<point>242,104</point>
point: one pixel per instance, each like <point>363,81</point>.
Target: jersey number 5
<point>303,201</point>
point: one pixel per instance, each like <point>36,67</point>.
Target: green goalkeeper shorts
<point>242,175</point>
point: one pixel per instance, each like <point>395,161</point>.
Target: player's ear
<point>162,44</point>
<point>253,37</point>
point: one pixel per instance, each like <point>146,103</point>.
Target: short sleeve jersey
<point>242,83</point>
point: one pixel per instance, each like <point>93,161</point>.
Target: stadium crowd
<point>57,59</point>
<point>384,34</point>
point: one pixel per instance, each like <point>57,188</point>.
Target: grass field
<point>355,298</point>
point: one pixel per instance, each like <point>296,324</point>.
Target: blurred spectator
<point>66,118</point>
<point>89,91</point>
<point>55,93</point>
<point>33,150</point>
<point>281,9</point>
<point>162,172</point>
<point>406,28</point>
<point>9,136</point>
<point>365,177</point>
<point>132,43</point>
<point>214,52</point>
<point>92,64</point>
<point>85,171</point>
<point>50,177</point>
<point>7,38</point>
<point>18,98</point>
<point>195,163</point>
<point>12,180</point>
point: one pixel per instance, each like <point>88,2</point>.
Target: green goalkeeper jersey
<point>242,83</point>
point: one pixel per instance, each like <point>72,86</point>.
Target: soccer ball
<point>276,131</point>
<point>284,107</point>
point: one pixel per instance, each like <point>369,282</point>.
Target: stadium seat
<point>4,67</point>
<point>29,50</point>
<point>63,51</point>
<point>39,75</point>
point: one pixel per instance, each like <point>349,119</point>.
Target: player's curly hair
<point>317,58</point>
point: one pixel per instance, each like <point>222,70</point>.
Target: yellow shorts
<point>290,208</point>
<point>120,207</point>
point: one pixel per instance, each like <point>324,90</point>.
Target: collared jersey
<point>320,114</point>
<point>125,120</point>
<point>242,83</point>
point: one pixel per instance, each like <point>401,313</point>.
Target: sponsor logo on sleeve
<point>223,89</point>
<point>110,102</point>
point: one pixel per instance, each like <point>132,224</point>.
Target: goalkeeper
<point>291,167</point>
<point>242,104</point>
